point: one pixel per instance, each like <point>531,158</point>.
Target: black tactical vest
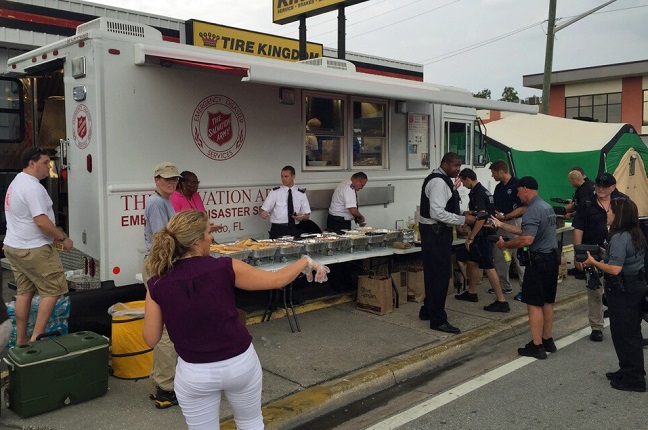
<point>453,202</point>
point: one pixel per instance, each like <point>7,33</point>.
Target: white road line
<point>469,386</point>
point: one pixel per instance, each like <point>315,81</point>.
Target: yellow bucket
<point>131,357</point>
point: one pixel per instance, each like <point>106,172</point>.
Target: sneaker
<point>549,345</point>
<point>164,399</point>
<point>596,336</point>
<point>518,297</point>
<point>533,350</point>
<point>467,297</point>
<point>504,290</point>
<point>498,306</point>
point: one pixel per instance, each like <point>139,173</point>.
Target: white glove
<point>320,271</point>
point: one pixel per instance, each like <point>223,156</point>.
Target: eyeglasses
<point>192,182</point>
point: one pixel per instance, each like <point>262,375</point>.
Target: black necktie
<point>291,208</point>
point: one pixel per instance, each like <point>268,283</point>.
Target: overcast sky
<point>450,37</point>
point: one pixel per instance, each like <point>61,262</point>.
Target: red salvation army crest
<point>218,127</point>
<point>81,126</point>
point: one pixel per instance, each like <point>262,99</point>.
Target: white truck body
<point>132,100</point>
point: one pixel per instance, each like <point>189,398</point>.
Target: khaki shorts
<point>37,269</point>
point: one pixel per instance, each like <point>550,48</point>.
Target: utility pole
<point>546,83</point>
<point>551,31</point>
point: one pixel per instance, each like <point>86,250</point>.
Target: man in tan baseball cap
<point>157,213</point>
<point>166,170</point>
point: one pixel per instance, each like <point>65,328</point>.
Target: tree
<point>510,95</point>
<point>483,94</point>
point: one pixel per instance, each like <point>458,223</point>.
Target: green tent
<point>547,147</point>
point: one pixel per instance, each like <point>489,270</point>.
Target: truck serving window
<point>325,134</point>
<point>12,123</point>
<point>334,134</point>
<point>369,134</point>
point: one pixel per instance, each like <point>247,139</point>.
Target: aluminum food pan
<point>292,249</point>
<point>263,253</point>
<point>239,255</point>
<point>357,240</point>
<point>375,237</point>
<point>336,242</point>
<point>313,245</point>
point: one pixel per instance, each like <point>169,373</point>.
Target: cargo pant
<point>501,265</point>
<point>595,308</point>
<point>165,357</point>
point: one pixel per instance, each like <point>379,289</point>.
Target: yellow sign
<point>285,11</point>
<point>248,42</point>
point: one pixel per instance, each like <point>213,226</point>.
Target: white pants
<point>198,388</point>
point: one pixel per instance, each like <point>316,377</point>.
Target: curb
<point>301,407</point>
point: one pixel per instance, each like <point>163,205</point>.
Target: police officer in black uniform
<point>590,228</point>
<point>439,212</point>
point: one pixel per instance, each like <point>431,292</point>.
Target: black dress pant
<point>436,248</point>
<point>624,310</point>
<point>337,223</point>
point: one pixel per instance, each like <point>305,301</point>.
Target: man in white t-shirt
<point>344,204</point>
<point>28,244</point>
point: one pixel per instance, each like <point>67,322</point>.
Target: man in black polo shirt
<point>439,212</point>
<point>584,189</point>
<point>509,209</point>
<point>482,256</point>
<point>590,228</point>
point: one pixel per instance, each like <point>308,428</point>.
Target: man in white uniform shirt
<point>28,244</point>
<point>288,208</point>
<point>344,204</point>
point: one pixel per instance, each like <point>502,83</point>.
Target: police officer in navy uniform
<point>439,212</point>
<point>288,208</point>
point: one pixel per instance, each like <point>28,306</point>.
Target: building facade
<point>606,93</point>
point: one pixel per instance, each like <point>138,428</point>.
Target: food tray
<point>289,249</point>
<point>240,254</point>
<point>336,243</point>
<point>357,241</point>
<point>313,245</point>
<point>373,237</point>
<point>263,253</point>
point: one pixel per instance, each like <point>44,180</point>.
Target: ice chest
<point>58,371</point>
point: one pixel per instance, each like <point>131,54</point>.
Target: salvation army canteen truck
<point>115,100</point>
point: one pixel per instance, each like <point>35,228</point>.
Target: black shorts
<point>481,252</point>
<point>539,286</point>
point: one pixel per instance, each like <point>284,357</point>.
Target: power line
<point>477,45</point>
<point>393,23</point>
<point>503,36</point>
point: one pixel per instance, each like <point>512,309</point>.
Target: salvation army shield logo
<point>218,127</point>
<point>81,126</point>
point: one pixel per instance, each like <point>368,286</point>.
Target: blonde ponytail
<point>175,241</point>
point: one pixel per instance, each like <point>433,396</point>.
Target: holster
<point>614,283</point>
